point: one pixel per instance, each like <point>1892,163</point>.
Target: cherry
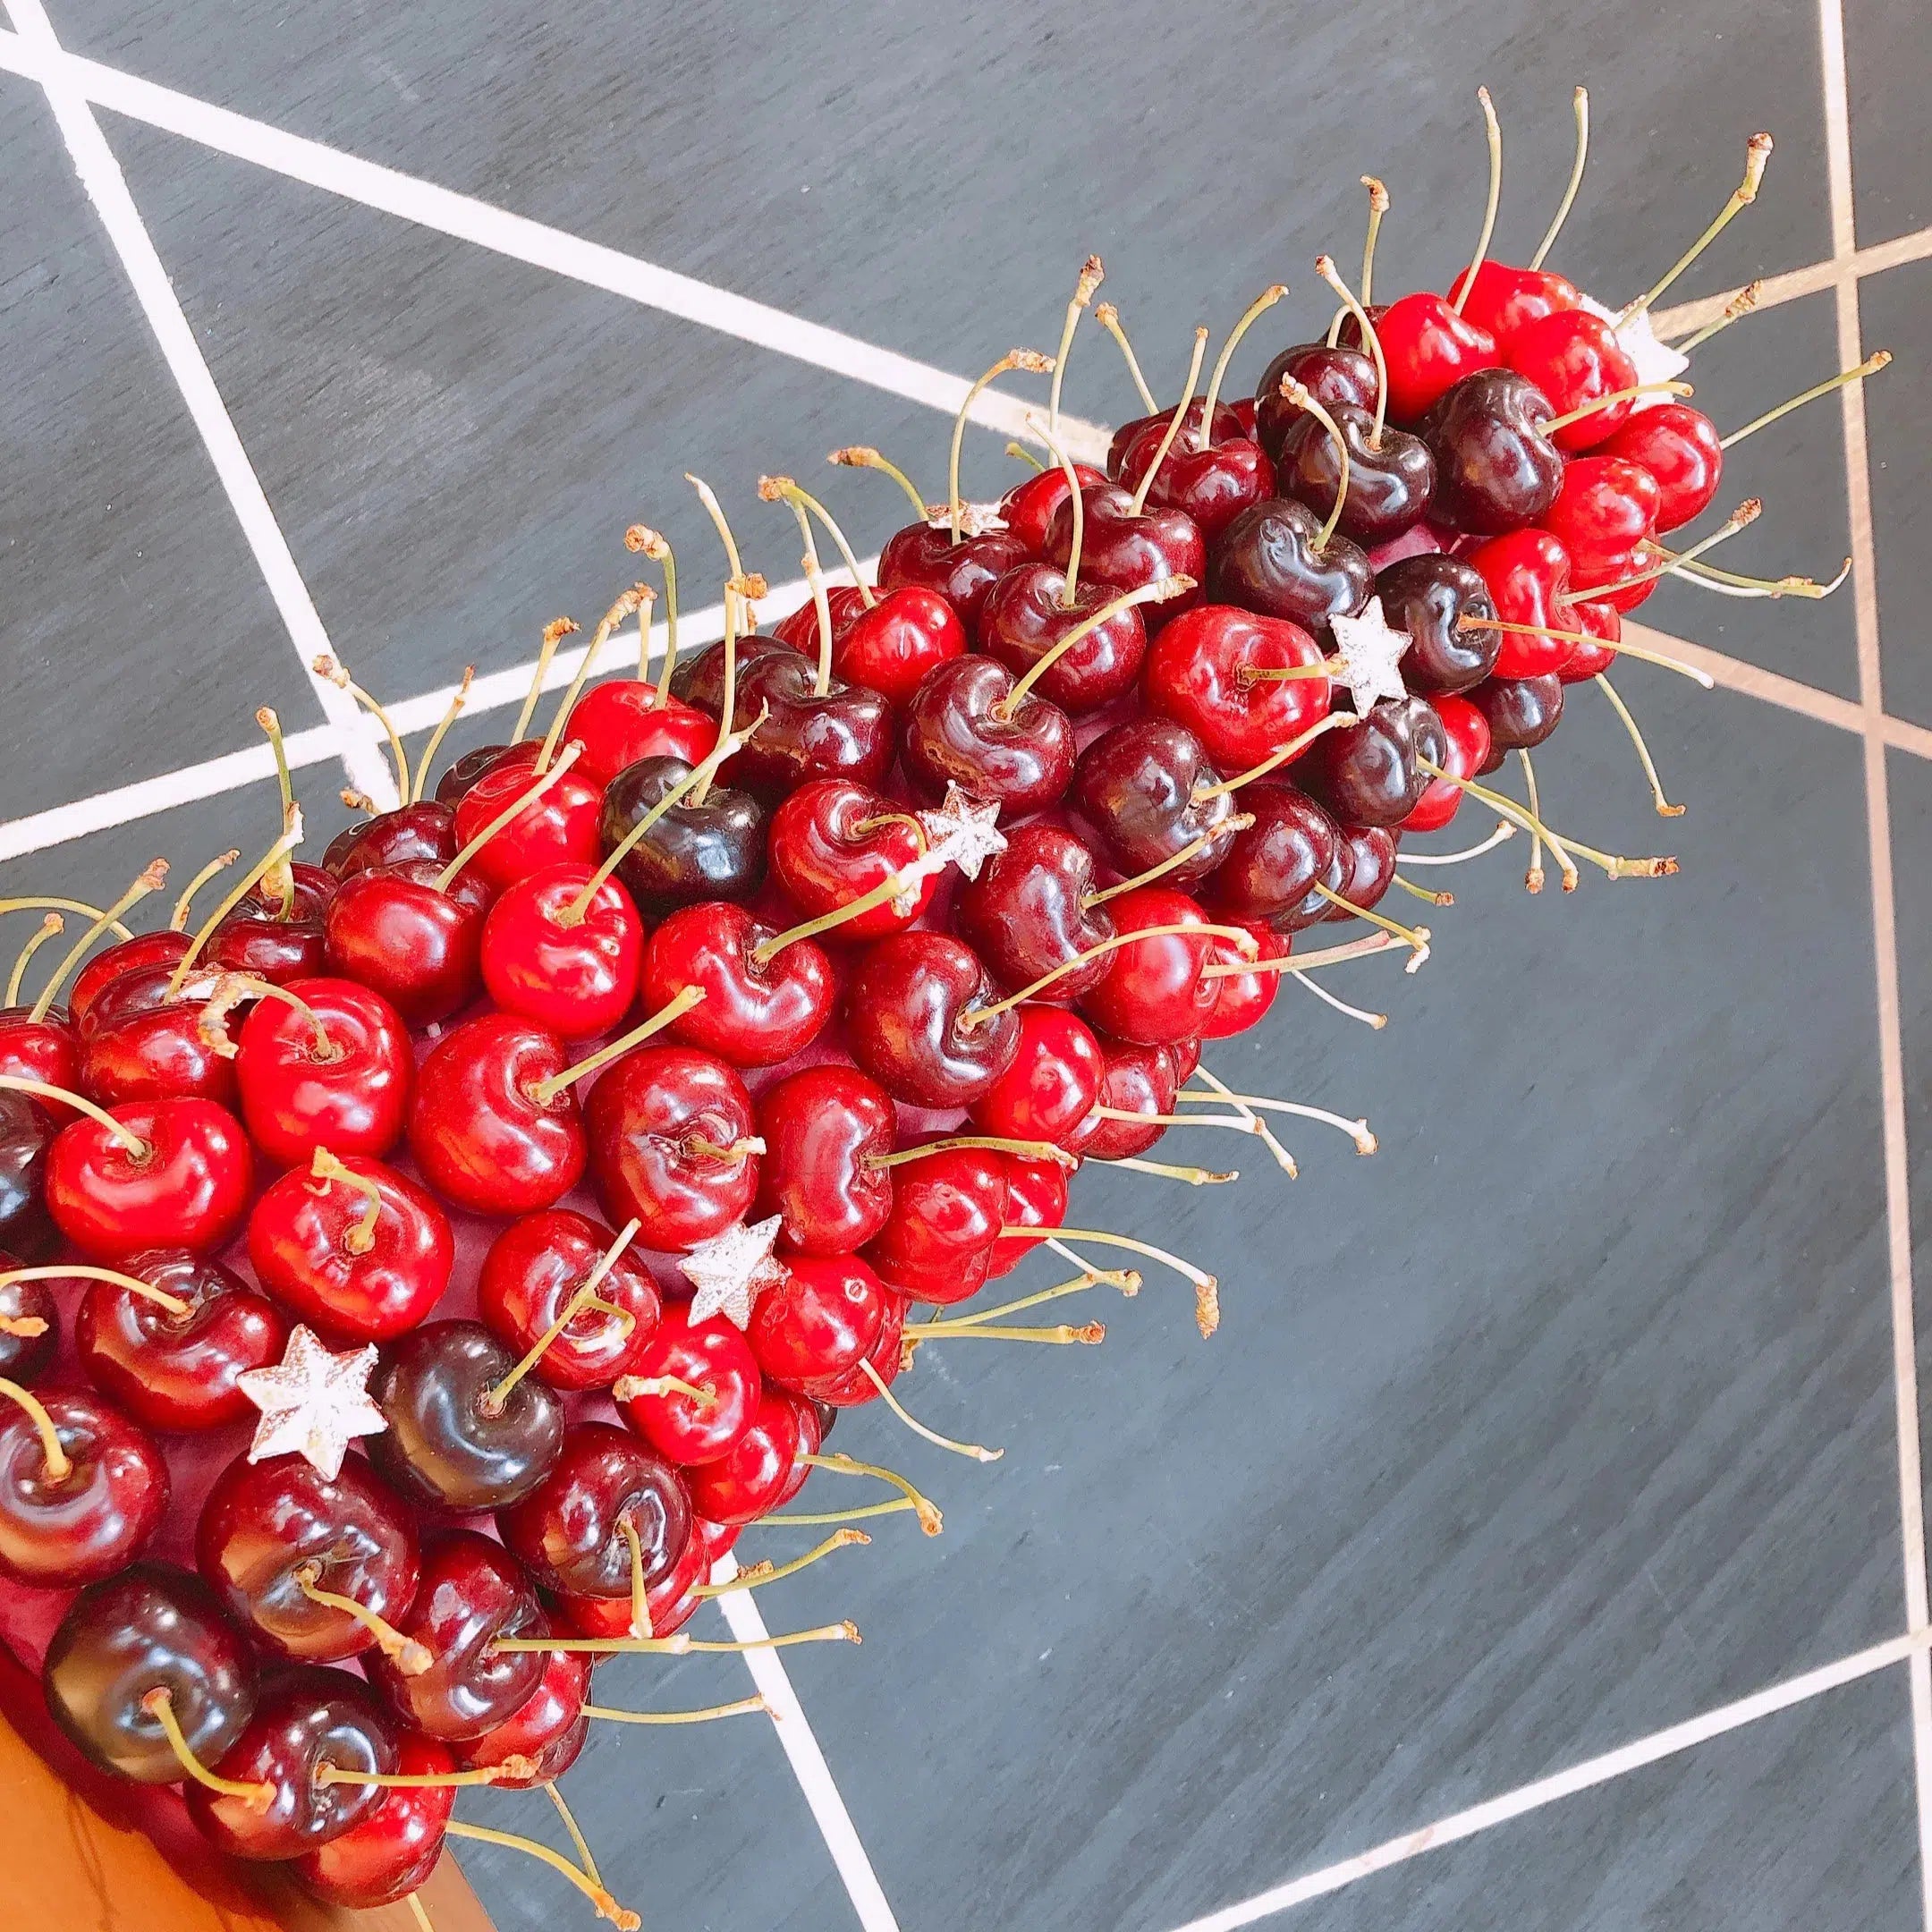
<point>963,727</point>
<point>857,1386</point>
<point>823,1129</point>
<point>560,828</point>
<point>1154,993</point>
<point>1503,299</point>
<point>473,1591</point>
<point>402,932</point>
<point>424,829</point>
<point>164,948</point>
<point>925,556</point>
<point>574,1531</point>
<point>1331,376</point>
<point>145,1043</point>
<point>668,1129</point>
<point>1210,482</point>
<point>1141,786</point>
<point>82,1488</point>
<point>1430,597</point>
<point>25,1134</point>
<point>1052,1085</point>
<point>1496,469</point>
<point>454,785</point>
<point>906,1018</point>
<point>1272,560</point>
<point>1130,548</point>
<point>1427,348</point>
<point>548,1728</point>
<point>1575,358</point>
<point>1466,735</point>
<point>29,1324</point>
<point>711,1357</point>
<point>537,1270</point>
<point>888,647</point>
<point>947,1212</point>
<point>1367,866</point>
<point>391,1853</point>
<point>305,1719</point>
<point>1275,861</point>
<point>1201,671</point>
<point>446,1446</point>
<point>761,1002</point>
<point>1608,506</point>
<point>1527,573</point>
<point>1028,508</point>
<point>1368,773</point>
<point>1030,611</point>
<point>1148,430</point>
<point>273,938</point>
<point>669,1604</point>
<point>1679,447</point>
<point>1136,1079</point>
<point>492,1125</point>
<point>564,948</point>
<point>1033,908</point>
<point>1391,474</point>
<point>333,1072</point>
<point>1595,620</point>
<point>626,720</point>
<point>1242,998</point>
<point>1521,712</point>
<point>48,1050</point>
<point>179,1367</point>
<point>833,841</point>
<point>811,1331</point>
<point>365,1254</point>
<point>751,1477</point>
<point>277,1538</point>
<point>149,1628</point>
<point>712,848</point>
<point>1036,1197</point>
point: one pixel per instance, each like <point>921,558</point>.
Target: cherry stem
<point>972,1450</point>
<point>491,1403</point>
<point>1613,867</point>
<point>1302,962</point>
<point>1739,306</point>
<point>1378,205</point>
<point>737,1153</point>
<point>292,837</point>
<point>641,540</point>
<point>635,602</point>
<point>1505,831</point>
<point>1125,1279</point>
<point>1493,135</point>
<point>1877,359</point>
<point>1283,1159</point>
<point>743,1707</point>
<point>1255,310</point>
<point>283,873</point>
<point>1746,514</point>
<point>27,1327</point>
<point>1293,748</point>
<point>1000,1143</point>
<point>897,1508</point>
<point>1172,862</point>
<point>220,862</point>
<point>42,1090</point>
<point>409,1656</point>
<point>1175,422</point>
<point>231,988</point>
<point>325,1168</point>
<point>715,510</point>
<point>814,574</point>
<point>1533,877</point>
<point>861,456</point>
<point>979,1016</point>
<point>878,821</point>
<point>1614,396</point>
<point>1030,359</point>
<point>1757,152</point>
<point>1108,316</point>
<point>1371,340</point>
<point>1021,454</point>
<point>1166,1171</point>
<point>1091,275</point>
<point>1207,1288</point>
<point>1664,809</point>
<point>1293,391</point>
<point>680,1645</point>
<point>791,491</point>
<point>906,879</point>
<point>1234,1122</point>
<point>1077,506</point>
<point>1160,591</point>
<point>760,1574</point>
<point>633,1388</point>
<point>451,711</point>
<point>37,903</point>
<point>59,1465</point>
<point>151,880</point>
<point>640,1617</point>
<point>930,1521</point>
<point>577,1838</point>
<point>1416,937</point>
<point>1422,892</point>
<point>87,1271</point>
<point>619,1916</point>
<point>1357,1131</point>
<point>553,634</point>
<point>512,810</point>
<point>50,927</point>
<point>1585,637</point>
<point>515,1766</point>
<point>673,1009</point>
<point>1579,101</point>
<point>336,674</point>
<point>1374,1020</point>
<point>1249,676</point>
<point>159,1705</point>
<point>1059,1335</point>
<point>728,700</point>
<point>1729,583</point>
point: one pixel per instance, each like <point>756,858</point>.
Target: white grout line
<point>808,1761</point>
<point>430,205</point>
<point>1579,1777</point>
<point>106,187</point>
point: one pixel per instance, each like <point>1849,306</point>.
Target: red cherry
<point>397,930</point>
<point>1028,508</point>
<point>1138,1080</point>
<point>1201,671</point>
<point>391,1851</point>
<point>668,1604</point>
<point>1211,484</point>
<point>144,949</point>
<point>426,829</point>
<point>1608,506</point>
<point>365,1254</point>
<point>963,573</point>
<point>832,841</point>
<point>568,962</point>
<point>346,1090</point>
<point>618,722</point>
<point>710,1355</point>
<point>185,1182</point>
<point>1428,347</point>
<point>1028,613</point>
<point>484,1128</point>
<point>1528,572</point>
<point>1505,299</point>
<point>823,1128</point>
<point>142,1044</point>
<point>1241,999</point>
<point>1154,993</point>
<point>947,1212</point>
<point>887,646</point>
<point>548,1727</point>
<point>1573,358</point>
<point>48,1050</point>
<point>1126,548</point>
<point>1052,1085</point>
<point>273,943</point>
<point>1036,1197</point>
<point>856,1387</point>
<point>906,1021</point>
<point>1679,447</point>
<point>755,1013</point>
<point>1599,620</point>
<point>87,1512</point>
<point>750,1478</point>
<point>813,1329</point>
<point>1467,732</point>
<point>535,1267</point>
<point>1136,428</point>
<point>558,828</point>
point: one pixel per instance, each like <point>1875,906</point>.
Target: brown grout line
<point>1813,279</point>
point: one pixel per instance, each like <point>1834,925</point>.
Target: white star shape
<point>1370,648</point>
<point>1656,361</point>
<point>312,1402</point>
<point>962,832</point>
<point>729,1270</point>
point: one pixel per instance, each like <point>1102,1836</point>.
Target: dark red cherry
<point>814,1328</point>
<point>90,1514</point>
<point>1528,574</point>
<point>1028,508</point>
<point>1267,561</point>
<point>924,555</point>
<point>1141,785</point>
<point>694,852</point>
<point>1428,347</point>
<point>709,1355</point>
<point>1503,299</point>
<point>1154,991</point>
<point>1030,912</point>
<point>398,931</point>
<point>750,1478</point>
<point>1331,375</point>
<point>533,1272</point>
<point>909,1020</point>
<point>567,961</point>
<point>1466,733</point>
<point>274,941</point>
<point>1430,597</point>
<point>1136,1079</point>
<point>1368,772</point>
<point>1052,1085</point>
<point>1148,430</point>
<point>560,828</point>
<point>465,771</point>
<point>1275,862</point>
<point>1391,477</point>
<point>832,841</point>
<point>1028,613</point>
<point>947,1213</point>
<point>1201,671</point>
<point>1521,712</point>
<point>1496,469</point>
<point>823,1129</point>
<point>1368,868</point>
<point>958,731</point>
<point>26,1133</point>
<point>548,1727</point>
<point>185,1183</point>
<point>1575,358</point>
<point>27,1354</point>
<point>569,1532</point>
<point>1679,447</point>
<point>1127,549</point>
<point>622,722</point>
<point>163,948</point>
<point>391,1853</point>
<point>756,1011</point>
<point>426,829</point>
<point>1210,483</point>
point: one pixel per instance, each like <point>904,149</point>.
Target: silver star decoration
<point>312,1403</point>
<point>962,832</point>
<point>1370,649</point>
<point>1656,361</point>
<point>729,1271</point>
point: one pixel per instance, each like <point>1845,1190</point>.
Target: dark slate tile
<point>138,635</point>
<point>1890,152</point>
<point>1898,414</point>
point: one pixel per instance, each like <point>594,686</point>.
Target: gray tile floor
<point>1571,1417</point>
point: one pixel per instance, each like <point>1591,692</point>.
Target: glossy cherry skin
<point>1496,469</point>
<point>1137,1080</point>
<point>395,931</point>
<point>956,731</point>
<point>754,1013</point>
<point>812,1330</point>
<point>473,1591</point>
<point>1126,550</point>
<point>26,1358</point>
<point>1331,375</point>
<point>1369,772</point>
<point>1027,914</point>
<point>295,1101</point>
<point>1028,613</point>
<point>266,1524</point>
<point>750,1478</point>
<point>1267,561</point>
<point>566,1532</point>
<point>1367,866</point>
<point>26,1133</point>
<point>188,1190</point>
<point>1679,447</point>
<point>445,1447</point>
<point>618,722</point>
<point>299,1241</point>
<point>1138,429</point>
<point>905,1008</point>
<point>1028,508</point>
<point>709,1355</point>
<point>558,828</point>
<point>832,842</point>
<point>480,1132</point>
<point>1242,999</point>
<point>890,647</point>
<point>57,1532</point>
<point>1606,507</point>
<point>668,1604</point>
<point>304,1718</point>
<point>1466,732</point>
<point>141,1045</point>
<point>1201,671</point>
<point>963,573</point>
<point>532,1272</point>
<point>48,1050</point>
<point>1430,597</point>
<point>823,1127</point>
<point>947,1213</point>
<point>1521,712</point>
<point>1154,993</point>
<point>424,830</point>
<point>1036,1197</point>
<point>1527,573</point>
<point>1210,484</point>
<point>1599,620</point>
<point>1391,482</point>
<point>393,1851</point>
<point>1573,358</point>
<point>693,852</point>
<point>574,972</point>
<point>1428,347</point>
<point>645,1117</point>
<point>548,1727</point>
<point>178,1371</point>
<point>164,948</point>
<point>1275,861</point>
<point>1504,299</point>
<point>855,1387</point>
<point>272,942</point>
<point>1138,785</point>
<point>150,1627</point>
<point>1052,1085</point>
<point>456,782</point>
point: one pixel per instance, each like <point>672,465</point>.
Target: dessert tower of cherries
<point>584,1134</point>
